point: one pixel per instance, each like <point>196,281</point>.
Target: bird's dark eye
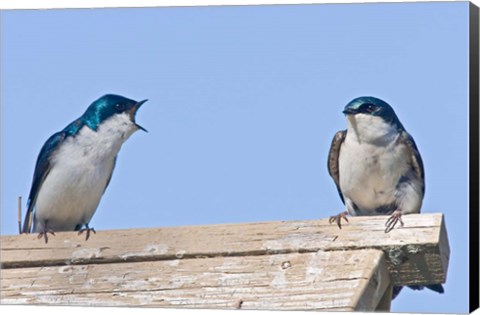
<point>119,107</point>
<point>370,108</point>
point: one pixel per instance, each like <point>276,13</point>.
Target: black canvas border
<point>474,158</point>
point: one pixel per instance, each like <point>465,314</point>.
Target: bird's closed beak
<point>133,112</point>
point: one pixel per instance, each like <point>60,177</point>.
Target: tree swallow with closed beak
<point>75,166</point>
<point>376,166</point>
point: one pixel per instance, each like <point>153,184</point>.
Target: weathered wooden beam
<point>417,253</point>
<point>386,300</point>
<point>171,266</point>
<point>353,280</point>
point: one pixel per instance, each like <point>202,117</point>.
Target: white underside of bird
<point>373,168</point>
<point>81,169</point>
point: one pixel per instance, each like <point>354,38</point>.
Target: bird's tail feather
<point>434,287</point>
<point>27,223</point>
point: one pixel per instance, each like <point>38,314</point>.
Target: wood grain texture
<point>220,265</point>
<point>353,280</point>
<point>418,253</point>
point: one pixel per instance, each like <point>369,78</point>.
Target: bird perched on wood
<point>75,166</point>
<point>376,166</point>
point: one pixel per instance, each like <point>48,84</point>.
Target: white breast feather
<point>371,162</point>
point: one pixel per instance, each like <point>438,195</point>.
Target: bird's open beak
<point>133,112</point>
<point>349,111</point>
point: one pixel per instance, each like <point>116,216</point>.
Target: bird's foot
<point>393,220</point>
<point>338,218</point>
<point>87,229</point>
<point>45,232</point>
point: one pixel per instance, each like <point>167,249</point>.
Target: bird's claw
<point>45,232</point>
<point>338,218</point>
<point>87,229</point>
<point>393,220</point>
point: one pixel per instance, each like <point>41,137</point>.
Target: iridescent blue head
<point>108,106</point>
<point>373,106</point>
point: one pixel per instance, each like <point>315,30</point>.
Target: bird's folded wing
<point>333,159</point>
<point>417,162</point>
<point>42,168</point>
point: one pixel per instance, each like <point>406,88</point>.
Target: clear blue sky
<point>244,102</point>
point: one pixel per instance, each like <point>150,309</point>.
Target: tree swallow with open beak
<point>75,166</point>
<point>376,166</point>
